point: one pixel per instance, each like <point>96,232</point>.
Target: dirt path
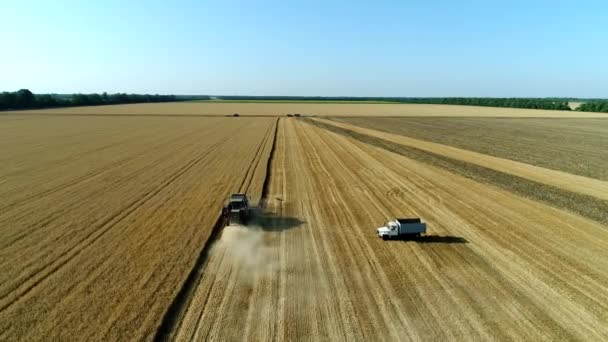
<point>495,266</point>
<point>574,183</point>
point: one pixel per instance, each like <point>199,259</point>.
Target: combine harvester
<point>402,228</point>
<point>237,211</point>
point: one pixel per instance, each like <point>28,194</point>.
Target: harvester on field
<point>237,211</point>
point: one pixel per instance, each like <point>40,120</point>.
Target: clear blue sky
<point>354,48</point>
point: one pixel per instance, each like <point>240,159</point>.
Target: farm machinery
<point>237,211</point>
<point>402,228</point>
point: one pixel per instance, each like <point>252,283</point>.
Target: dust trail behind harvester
<point>247,250</point>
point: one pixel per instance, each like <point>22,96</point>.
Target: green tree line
<point>24,98</point>
<point>533,103</point>
<point>594,106</point>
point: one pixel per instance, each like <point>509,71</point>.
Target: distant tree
<point>95,99</point>
<point>7,100</point>
<point>79,100</point>
<point>45,101</point>
<point>24,98</point>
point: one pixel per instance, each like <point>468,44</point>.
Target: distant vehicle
<point>235,114</point>
<point>402,227</point>
<point>289,115</point>
<point>297,115</point>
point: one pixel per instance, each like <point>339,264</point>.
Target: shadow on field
<point>271,222</point>
<point>435,239</point>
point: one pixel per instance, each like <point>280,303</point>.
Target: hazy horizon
<point>340,48</point>
<point>306,97</point>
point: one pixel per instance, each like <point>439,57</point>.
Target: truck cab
<point>388,230</point>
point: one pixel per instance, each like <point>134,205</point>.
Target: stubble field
<point>495,265</point>
<point>576,146</point>
<point>108,230</point>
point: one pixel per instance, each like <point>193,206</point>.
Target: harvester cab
<point>237,211</point>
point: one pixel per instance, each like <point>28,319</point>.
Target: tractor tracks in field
<point>68,159</point>
<point>78,180</point>
<point>12,212</point>
<point>26,285</point>
<point>68,206</point>
<point>253,167</point>
<point>172,319</point>
<point>266,184</point>
<point>72,182</point>
<point>585,205</point>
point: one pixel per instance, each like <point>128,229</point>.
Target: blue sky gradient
<point>337,48</point>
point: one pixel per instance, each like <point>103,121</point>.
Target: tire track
<point>254,164</point>
<point>172,320</point>
<point>226,300</point>
<point>173,317</point>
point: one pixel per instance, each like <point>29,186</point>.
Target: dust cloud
<point>246,248</point>
<point>259,262</point>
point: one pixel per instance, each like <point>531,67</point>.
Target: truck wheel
<point>384,237</point>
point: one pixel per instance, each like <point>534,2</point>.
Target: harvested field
<point>320,109</point>
<point>495,265</point>
<point>573,183</point>
<point>585,196</point>
<point>109,227</point>
<point>577,146</point>
<point>103,218</point>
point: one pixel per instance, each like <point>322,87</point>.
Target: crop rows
<point>576,146</point>
<point>494,265</point>
<point>84,253</point>
<point>110,225</point>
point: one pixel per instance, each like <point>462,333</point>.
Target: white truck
<point>402,227</point>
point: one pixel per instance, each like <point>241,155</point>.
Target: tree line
<point>552,103</point>
<point>23,99</point>
<point>533,103</point>
<point>594,106</point>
